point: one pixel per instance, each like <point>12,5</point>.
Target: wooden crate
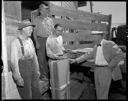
<point>59,78</point>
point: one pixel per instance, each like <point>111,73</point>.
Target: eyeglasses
<point>59,30</point>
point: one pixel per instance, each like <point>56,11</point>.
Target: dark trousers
<point>42,57</point>
<point>31,80</point>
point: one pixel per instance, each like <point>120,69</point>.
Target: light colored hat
<point>97,32</point>
<point>43,5</point>
<point>23,25</point>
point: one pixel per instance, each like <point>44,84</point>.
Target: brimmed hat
<point>43,5</point>
<point>97,32</point>
<point>23,25</point>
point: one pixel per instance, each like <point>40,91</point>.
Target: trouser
<point>42,58</point>
<point>30,76</point>
<point>103,79</point>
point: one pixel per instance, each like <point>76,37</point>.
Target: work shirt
<point>100,60</point>
<point>54,45</point>
<point>16,54</point>
<point>43,27</point>
<point>60,41</point>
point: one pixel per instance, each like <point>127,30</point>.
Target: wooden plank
<point>4,53</point>
<point>3,87</point>
<point>84,36</point>
<point>82,39</point>
<point>61,11</point>
<point>89,45</point>
<point>72,47</point>
<point>34,14</point>
<point>69,36</point>
<point>10,38</point>
<point>109,28</point>
<point>13,9</point>
<point>81,25</point>
<point>69,40</point>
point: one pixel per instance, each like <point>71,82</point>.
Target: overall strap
<point>22,47</point>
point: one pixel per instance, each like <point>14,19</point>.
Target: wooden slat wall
<point>69,40</point>
<point>34,14</point>
<point>81,25</point>
<point>60,11</point>
<point>78,40</point>
<point>81,20</point>
<point>13,9</point>
<point>68,4</point>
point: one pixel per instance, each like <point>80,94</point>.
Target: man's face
<point>97,38</point>
<point>43,10</point>
<point>59,30</point>
<point>28,30</point>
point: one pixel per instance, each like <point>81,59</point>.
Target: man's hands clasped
<point>73,61</point>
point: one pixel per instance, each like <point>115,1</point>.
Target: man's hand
<point>20,82</point>
<point>62,57</point>
<point>37,45</point>
<point>72,61</point>
<point>68,50</point>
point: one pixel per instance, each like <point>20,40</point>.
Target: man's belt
<point>41,36</point>
<point>101,65</point>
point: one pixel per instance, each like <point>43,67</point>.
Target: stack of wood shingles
<point>59,79</point>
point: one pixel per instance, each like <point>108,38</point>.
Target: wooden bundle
<point>59,79</point>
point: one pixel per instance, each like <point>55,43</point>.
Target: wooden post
<point>10,17</point>
<point>4,55</point>
<point>91,6</point>
<point>109,28</point>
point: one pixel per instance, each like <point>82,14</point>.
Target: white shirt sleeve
<point>15,59</point>
<point>50,54</point>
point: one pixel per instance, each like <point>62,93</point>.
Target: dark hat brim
<point>23,25</point>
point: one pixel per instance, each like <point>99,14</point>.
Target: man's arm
<point>14,64</point>
<point>35,35</point>
<point>48,50</point>
<point>117,55</point>
<point>37,71</point>
<point>85,57</point>
<point>35,60</point>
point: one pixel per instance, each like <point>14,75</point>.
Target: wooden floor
<point>82,87</point>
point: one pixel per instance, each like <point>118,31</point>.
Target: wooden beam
<point>81,25</point>
<point>61,11</point>
<point>109,28</point>
<point>4,54</point>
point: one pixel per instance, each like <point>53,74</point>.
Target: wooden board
<point>13,9</point>
<point>59,79</point>
<point>80,20</point>
<point>61,11</point>
<point>81,25</point>
<point>82,39</point>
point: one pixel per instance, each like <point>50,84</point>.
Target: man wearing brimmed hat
<point>106,55</point>
<point>44,26</point>
<point>24,63</point>
<point>24,24</point>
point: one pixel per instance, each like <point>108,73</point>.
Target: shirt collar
<point>100,44</point>
<point>102,41</point>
